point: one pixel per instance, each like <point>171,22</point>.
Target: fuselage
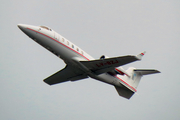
<point>69,52</point>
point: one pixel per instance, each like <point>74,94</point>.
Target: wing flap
<point>66,74</point>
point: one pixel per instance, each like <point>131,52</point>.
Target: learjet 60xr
<point>80,65</point>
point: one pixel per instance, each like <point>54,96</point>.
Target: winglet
<point>139,56</point>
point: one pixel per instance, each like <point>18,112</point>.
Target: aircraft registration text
<point>111,62</point>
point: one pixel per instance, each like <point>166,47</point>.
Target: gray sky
<point>110,27</point>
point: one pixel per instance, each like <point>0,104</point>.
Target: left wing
<point>108,64</point>
<point>66,74</point>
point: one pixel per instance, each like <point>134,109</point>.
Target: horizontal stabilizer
<point>135,76</point>
<point>146,71</point>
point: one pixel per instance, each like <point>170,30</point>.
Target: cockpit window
<point>45,28</point>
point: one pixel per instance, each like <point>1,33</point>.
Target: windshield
<point>45,28</point>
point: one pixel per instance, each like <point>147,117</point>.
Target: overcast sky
<point>110,27</point>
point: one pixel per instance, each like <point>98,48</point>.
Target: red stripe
<point>126,83</point>
<point>119,71</point>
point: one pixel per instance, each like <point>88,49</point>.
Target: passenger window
<point>72,46</point>
<point>77,49</point>
<point>67,43</point>
<point>62,39</point>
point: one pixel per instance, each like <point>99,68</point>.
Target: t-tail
<point>132,80</point>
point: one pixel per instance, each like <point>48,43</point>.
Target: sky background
<point>99,27</point>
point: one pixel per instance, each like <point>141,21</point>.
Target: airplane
<point>80,65</point>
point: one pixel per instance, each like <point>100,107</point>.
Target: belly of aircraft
<point>105,77</point>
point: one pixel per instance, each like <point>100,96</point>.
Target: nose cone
<point>29,30</point>
<point>23,27</point>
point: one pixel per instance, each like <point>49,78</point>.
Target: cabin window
<point>77,49</point>
<point>72,46</point>
<point>82,52</point>
<point>62,39</point>
<point>67,43</point>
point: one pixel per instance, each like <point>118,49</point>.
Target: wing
<point>106,65</point>
<point>66,74</point>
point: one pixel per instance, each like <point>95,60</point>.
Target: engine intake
<point>103,57</point>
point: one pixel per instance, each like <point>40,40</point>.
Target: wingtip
<point>143,53</point>
<point>139,56</point>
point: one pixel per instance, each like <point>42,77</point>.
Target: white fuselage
<point>69,52</point>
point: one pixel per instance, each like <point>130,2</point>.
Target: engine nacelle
<point>103,57</point>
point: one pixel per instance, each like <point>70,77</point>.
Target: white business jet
<point>80,65</point>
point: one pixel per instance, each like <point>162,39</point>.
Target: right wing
<point>108,64</point>
<point>66,74</point>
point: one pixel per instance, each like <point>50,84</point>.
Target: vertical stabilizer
<point>133,79</point>
<point>136,75</point>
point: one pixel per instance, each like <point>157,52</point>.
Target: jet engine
<point>103,57</point>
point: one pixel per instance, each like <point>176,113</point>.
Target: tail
<point>132,79</point>
<point>136,75</point>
